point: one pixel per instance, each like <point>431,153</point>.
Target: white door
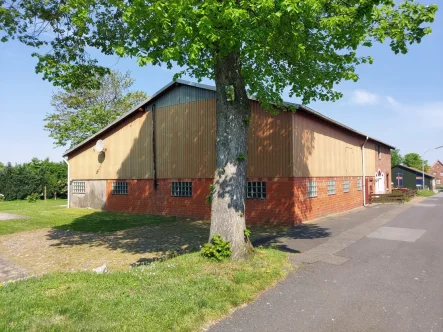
<point>379,182</point>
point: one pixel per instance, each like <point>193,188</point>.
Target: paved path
<point>385,273</point>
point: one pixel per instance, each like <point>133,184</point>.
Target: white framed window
<point>346,186</point>
<point>359,184</point>
<point>256,190</point>
<point>78,187</point>
<point>120,188</point>
<point>441,173</point>
<point>438,181</point>
<point>435,173</point>
<point>312,188</point>
<point>181,189</point>
<point>331,187</point>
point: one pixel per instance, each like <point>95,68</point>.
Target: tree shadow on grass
<point>151,238</point>
<point>155,236</point>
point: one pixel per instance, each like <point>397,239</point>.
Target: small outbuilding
<point>411,178</point>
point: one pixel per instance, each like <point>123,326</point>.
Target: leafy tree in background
<point>19,181</point>
<point>414,160</point>
<point>81,112</point>
<point>258,46</point>
<point>396,157</point>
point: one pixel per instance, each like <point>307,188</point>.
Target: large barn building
<point>160,159</point>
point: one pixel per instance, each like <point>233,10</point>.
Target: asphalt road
<point>385,273</point>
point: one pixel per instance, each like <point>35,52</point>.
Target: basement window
<point>256,190</point>
<point>312,188</point>
<point>78,187</point>
<point>120,188</point>
<point>359,184</point>
<point>346,186</point>
<point>181,189</point>
<point>331,187</point>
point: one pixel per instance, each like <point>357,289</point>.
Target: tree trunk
<point>233,115</point>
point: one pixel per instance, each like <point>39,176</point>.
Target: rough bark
<point>228,198</point>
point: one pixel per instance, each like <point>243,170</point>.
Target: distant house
<point>437,171</point>
<point>160,159</point>
<point>408,177</point>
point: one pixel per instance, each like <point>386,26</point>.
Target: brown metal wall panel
<point>269,144</point>
<point>321,149</point>
<point>185,136</point>
<point>185,145</point>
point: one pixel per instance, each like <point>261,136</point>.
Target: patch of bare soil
<point>48,250</point>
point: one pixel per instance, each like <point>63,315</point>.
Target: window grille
<point>256,190</point>
<point>78,187</point>
<point>120,188</point>
<point>312,188</point>
<point>346,186</point>
<point>359,184</point>
<point>181,189</point>
<point>331,187</point>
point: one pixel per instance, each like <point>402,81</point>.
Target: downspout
<point>363,165</point>
<point>154,161</point>
<point>69,187</point>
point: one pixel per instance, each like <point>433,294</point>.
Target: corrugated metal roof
<point>414,170</point>
<point>184,95</point>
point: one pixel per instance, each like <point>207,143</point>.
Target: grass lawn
<point>75,239</point>
<point>50,213</point>
<point>179,294</point>
<point>425,193</point>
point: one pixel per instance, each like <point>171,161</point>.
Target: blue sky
<point>398,99</point>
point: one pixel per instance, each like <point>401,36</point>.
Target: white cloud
<point>362,97</point>
<point>427,115</point>
<point>393,103</point>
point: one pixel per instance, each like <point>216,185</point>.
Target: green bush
<point>217,249</point>
<point>20,180</point>
<point>33,198</point>
<point>425,193</point>
<point>2,197</point>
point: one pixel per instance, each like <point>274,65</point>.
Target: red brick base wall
<point>143,198</point>
<point>286,201</point>
<point>310,208</point>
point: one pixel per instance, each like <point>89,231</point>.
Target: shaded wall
<point>409,178</point>
<point>94,196</point>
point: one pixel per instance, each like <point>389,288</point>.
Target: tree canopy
<point>305,45</point>
<point>414,160</point>
<point>396,157</point>
<point>80,113</point>
<point>19,181</point>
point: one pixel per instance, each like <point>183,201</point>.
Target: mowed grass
<point>53,213</point>
<point>425,193</point>
<point>179,294</point>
